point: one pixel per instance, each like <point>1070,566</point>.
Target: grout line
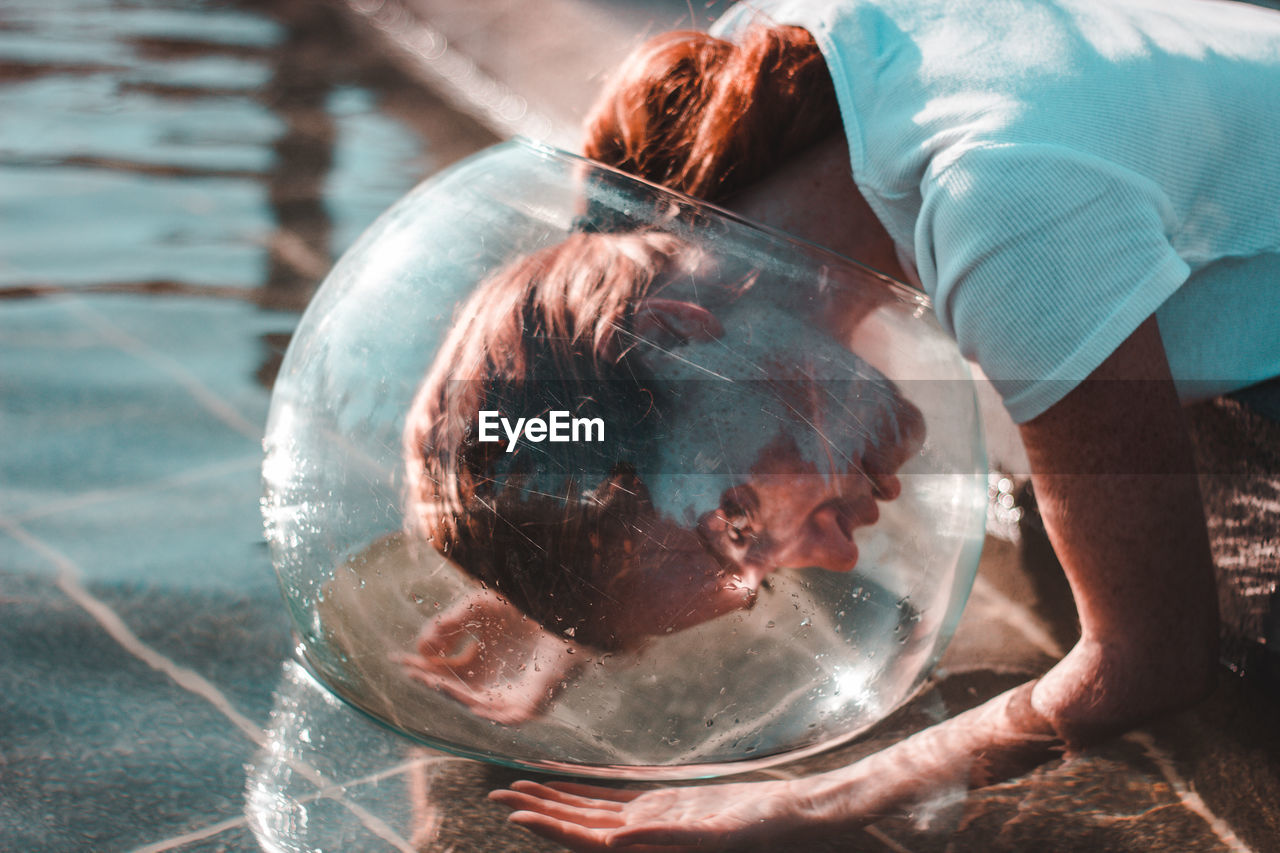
<point>183,478</point>
<point>377,825</point>
<point>194,835</point>
<point>69,581</point>
<point>1016,616</point>
<point>218,407</point>
<point>388,772</point>
<point>1189,798</point>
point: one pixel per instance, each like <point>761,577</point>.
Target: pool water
<point>175,178</point>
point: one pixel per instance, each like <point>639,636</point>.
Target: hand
<point>1000,738</point>
<point>486,654</point>
<point>748,815</point>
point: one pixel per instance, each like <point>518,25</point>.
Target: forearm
<point>1004,737</point>
<point>1000,739</point>
<point>1116,485</point>
<point>1137,557</point>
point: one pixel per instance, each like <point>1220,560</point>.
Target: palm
<point>588,818</point>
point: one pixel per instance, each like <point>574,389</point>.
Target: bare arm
<point>1115,481</point>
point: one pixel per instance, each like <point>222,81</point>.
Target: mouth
<point>846,514</point>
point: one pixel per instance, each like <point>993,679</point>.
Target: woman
<point>1087,193</point>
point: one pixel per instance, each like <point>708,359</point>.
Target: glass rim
<point>904,292</point>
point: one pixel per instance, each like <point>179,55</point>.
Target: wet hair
<point>700,115</point>
<point>548,332</point>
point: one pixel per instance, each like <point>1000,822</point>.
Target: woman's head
<point>580,536</point>
<point>734,440</point>
<point>549,332</point>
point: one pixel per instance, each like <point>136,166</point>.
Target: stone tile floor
<point>155,255</point>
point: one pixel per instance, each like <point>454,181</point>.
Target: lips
<point>847,513</point>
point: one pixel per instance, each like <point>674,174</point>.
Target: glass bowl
<point>569,472</point>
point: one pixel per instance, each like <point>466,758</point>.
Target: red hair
<point>540,334</point>
<point>709,117</point>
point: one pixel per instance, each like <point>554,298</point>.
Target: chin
<point>842,563</point>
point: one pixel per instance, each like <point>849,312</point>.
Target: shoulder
<point>1041,261</point>
<point>1038,191</point>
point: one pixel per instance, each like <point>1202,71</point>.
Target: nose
<point>809,519</point>
<point>823,538</point>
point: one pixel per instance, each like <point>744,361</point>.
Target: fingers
<point>595,818</point>
<point>578,789</point>
<point>590,839</point>
<point>432,648</point>
<point>487,703</point>
<point>446,682</point>
<point>591,818</point>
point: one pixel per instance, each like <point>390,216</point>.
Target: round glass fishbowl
<point>569,472</point>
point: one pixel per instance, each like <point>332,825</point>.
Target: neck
<point>814,197</point>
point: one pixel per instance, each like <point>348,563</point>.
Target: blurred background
<point>176,177</point>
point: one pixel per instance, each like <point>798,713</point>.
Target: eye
<point>732,510</point>
<point>737,522</point>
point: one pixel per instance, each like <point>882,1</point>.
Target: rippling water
<point>198,147</point>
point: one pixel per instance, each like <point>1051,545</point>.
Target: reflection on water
<point>198,148</point>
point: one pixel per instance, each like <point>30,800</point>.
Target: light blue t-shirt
<point>1059,170</point>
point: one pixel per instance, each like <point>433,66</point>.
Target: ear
<point>672,322</point>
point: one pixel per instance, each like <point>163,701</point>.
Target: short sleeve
<point>1041,261</point>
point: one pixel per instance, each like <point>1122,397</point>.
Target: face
<point>777,445</point>
<point>786,514</point>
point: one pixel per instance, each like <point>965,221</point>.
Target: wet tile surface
<point>99,745</point>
